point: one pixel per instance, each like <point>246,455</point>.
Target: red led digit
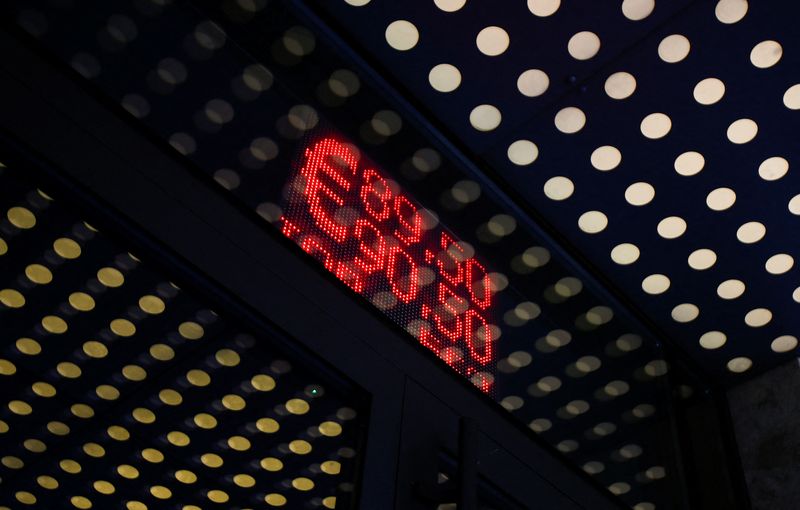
<point>404,286</point>
<point>409,219</point>
<point>373,251</point>
<point>477,273</point>
<point>320,193</point>
<point>351,275</point>
<point>375,195</point>
<point>288,228</point>
<point>313,246</point>
<point>450,266</point>
<point>450,324</point>
<point>471,333</point>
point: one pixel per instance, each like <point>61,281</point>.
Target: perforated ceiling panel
<point>656,137</point>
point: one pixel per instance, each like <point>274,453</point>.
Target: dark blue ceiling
<point>718,49</point>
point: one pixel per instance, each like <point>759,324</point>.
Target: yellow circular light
<point>12,462</point>
<point>19,407</point>
<point>153,305</point>
<point>227,357</point>
<point>34,445</point>
<point>3,246</point>
<point>43,389</point>
<point>38,273</point>
<point>3,427</point>
<point>329,502</point>
<point>21,217</point>
<point>95,349</point>
<point>80,502</point>
<point>128,471</point>
<point>67,248</point>
<point>47,482</point>
<point>152,455</point>
<point>103,487</point>
<point>198,378</point>
<point>191,330</point>
<point>25,497</point>
<point>107,392</point>
<point>233,402</point>
<point>134,372</point>
<point>178,438</point>
<point>123,327</point>
<point>218,496</point>
<point>94,450</point>
<point>271,464</point>
<point>330,428</point>
<point>28,346</point>
<point>54,324</point>
<point>7,368</point>
<point>267,425</point>
<point>69,466</point>
<point>211,460</point>
<point>300,447</point>
<point>297,406</point>
<point>135,505</point>
<point>302,484</point>
<point>243,480</point>
<point>58,428</point>
<point>263,382</point>
<point>162,352</point>
<point>81,301</point>
<point>110,277</point>
<point>205,421</point>
<point>331,467</point>
<point>239,443</point>
<point>69,370</point>
<point>275,499</point>
<point>143,415</point>
<point>170,397</point>
<point>12,298</point>
<point>118,433</point>
<point>160,492</point>
<point>185,476</point>
<point>82,410</point>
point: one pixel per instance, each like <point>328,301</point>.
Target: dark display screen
<point>379,241</point>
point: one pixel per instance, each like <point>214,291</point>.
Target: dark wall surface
<point>766,416</point>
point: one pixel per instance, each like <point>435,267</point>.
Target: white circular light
<point>583,45</point>
<point>606,158</point>
<point>766,54</point>
<point>709,91</point>
<point>779,264</point>
<point>791,98</point>
<point>533,82</point>
<point>784,343</point>
<point>772,169</point>
<point>730,11</point>
<point>485,117</point>
<point>730,289</point>
<point>570,120</point>
<point>713,340</point>
<point>640,193</point>
<point>592,222</point>
<point>721,199</point>
<point>742,131</point>
<point>689,163</point>
<point>625,253</point>
<point>751,232</point>
<point>402,35</point>
<point>685,312</point>
<point>671,227</point>
<point>702,259</point>
<point>357,3</point>
<point>740,364</point>
<point>444,77</point>
<point>636,10</point>
<point>674,48</point>
<point>655,284</point>
<point>655,126</point>
<point>620,85</point>
<point>558,188</point>
<point>523,152</point>
<point>492,41</point>
<point>543,8</point>
<point>794,205</point>
<point>758,317</point>
<point>450,5</point>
